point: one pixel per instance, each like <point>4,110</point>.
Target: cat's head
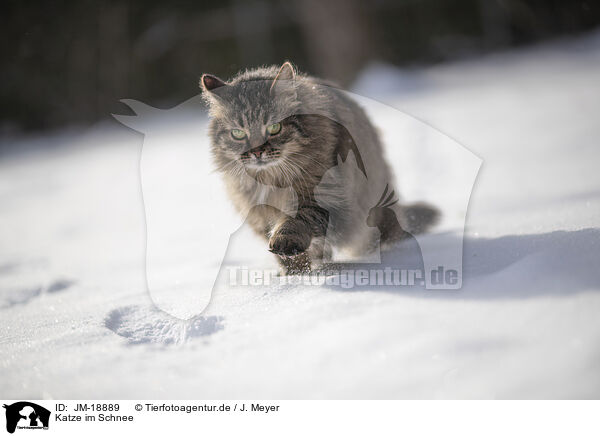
<point>252,118</point>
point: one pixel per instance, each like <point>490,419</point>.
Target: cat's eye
<point>274,129</point>
<point>238,134</point>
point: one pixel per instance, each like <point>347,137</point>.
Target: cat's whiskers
<point>303,172</point>
<point>285,171</point>
<point>313,160</point>
<point>296,175</point>
<point>224,167</point>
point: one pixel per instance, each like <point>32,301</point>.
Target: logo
<point>195,238</point>
<point>26,415</point>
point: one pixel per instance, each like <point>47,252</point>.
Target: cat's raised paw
<point>288,244</point>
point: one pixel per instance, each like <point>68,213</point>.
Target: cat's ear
<point>208,82</point>
<point>286,74</point>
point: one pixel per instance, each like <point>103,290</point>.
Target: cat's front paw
<point>289,244</point>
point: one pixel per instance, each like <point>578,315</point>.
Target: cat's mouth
<point>261,156</point>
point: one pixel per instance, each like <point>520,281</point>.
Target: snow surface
<point>77,321</point>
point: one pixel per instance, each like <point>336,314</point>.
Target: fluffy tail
<point>420,217</point>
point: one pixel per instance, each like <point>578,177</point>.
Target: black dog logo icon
<point>26,415</point>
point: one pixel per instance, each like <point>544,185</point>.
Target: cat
<point>275,133</point>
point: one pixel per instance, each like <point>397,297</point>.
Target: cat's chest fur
<point>248,193</point>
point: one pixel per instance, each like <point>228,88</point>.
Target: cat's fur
<point>307,211</point>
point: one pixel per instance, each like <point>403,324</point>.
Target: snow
<point>77,321</point>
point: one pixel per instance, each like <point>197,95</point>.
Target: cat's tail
<point>419,217</point>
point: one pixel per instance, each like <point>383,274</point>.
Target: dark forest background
<point>69,63</point>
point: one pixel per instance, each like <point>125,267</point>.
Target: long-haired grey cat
<point>273,128</point>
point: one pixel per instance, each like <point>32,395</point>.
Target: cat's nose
<point>256,153</point>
